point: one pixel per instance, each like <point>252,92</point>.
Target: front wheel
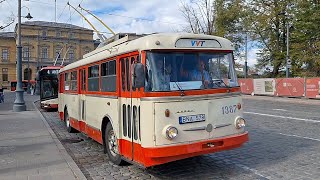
<point>70,129</point>
<point>111,143</point>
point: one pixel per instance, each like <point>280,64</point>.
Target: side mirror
<point>138,75</point>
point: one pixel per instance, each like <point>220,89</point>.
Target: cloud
<point>137,16</point>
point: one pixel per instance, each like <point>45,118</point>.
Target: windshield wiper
<point>180,89</point>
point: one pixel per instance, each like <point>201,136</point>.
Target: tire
<point>111,143</point>
<point>67,122</point>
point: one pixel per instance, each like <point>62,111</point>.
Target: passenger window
<point>93,78</point>
<point>127,73</point>
<point>123,75</point>
<point>108,76</point>
<point>74,84</point>
<point>83,80</point>
<point>66,82</point>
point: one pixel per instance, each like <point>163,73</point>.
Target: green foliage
<point>305,37</point>
<point>266,22</point>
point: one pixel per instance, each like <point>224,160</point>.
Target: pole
<point>246,58</point>
<point>287,57</point>
<point>28,88</point>
<point>19,104</point>
<point>55,10</point>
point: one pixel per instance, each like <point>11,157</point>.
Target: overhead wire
<point>72,13</point>
<point>62,12</point>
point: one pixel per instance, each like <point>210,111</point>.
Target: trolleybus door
<point>130,107</point>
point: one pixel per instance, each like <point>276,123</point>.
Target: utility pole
<point>19,103</point>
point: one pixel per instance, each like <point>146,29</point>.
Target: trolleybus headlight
<point>240,123</point>
<point>171,132</point>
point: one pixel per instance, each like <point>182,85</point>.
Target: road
<point>284,144</point>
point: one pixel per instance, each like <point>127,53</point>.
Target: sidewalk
<point>29,149</point>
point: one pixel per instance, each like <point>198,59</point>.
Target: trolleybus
<point>156,99</point>
<point>48,79</point>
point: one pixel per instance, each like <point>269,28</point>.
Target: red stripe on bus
<point>93,133</point>
<point>160,155</point>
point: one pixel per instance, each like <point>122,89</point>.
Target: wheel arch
<point>105,120</point>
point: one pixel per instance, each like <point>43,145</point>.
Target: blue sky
<point>135,16</point>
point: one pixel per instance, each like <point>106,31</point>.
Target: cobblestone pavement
<point>279,148</point>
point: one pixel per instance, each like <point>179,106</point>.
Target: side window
<point>127,74</point>
<point>123,74</point>
<point>132,62</point>
<point>93,78</point>
<point>83,79</point>
<point>74,84</point>
<point>66,82</point>
<point>108,76</point>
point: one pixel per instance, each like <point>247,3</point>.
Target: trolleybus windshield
<point>48,84</point>
<point>189,71</point>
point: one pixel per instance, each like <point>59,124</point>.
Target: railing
<point>286,87</point>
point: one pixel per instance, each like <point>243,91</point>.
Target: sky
<point>132,16</point>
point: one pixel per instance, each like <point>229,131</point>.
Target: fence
<point>285,87</point>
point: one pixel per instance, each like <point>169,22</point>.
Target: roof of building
<point>54,25</point>
<point>7,34</point>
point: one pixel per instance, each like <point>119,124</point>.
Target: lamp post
<point>288,61</point>
<point>246,58</point>
<point>28,87</point>
<point>19,103</point>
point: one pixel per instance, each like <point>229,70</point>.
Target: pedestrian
<point>32,89</point>
<point>1,94</point>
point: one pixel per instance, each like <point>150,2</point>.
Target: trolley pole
<point>19,103</point>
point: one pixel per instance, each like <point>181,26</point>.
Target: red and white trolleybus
<point>156,99</point>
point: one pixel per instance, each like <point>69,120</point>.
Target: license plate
<point>192,118</point>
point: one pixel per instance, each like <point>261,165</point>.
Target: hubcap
<point>112,143</point>
<point>67,121</point>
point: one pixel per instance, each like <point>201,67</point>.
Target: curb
<point>72,165</point>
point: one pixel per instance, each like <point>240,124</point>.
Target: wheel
<point>111,143</point>
<point>67,121</point>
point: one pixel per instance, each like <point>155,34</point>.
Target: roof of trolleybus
<point>162,41</point>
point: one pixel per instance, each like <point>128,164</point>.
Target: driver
<point>200,74</point>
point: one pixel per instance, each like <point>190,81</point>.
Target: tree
<point>266,20</point>
<point>216,17</point>
<point>305,38</point>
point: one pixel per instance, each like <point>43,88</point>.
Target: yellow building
<point>43,43</point>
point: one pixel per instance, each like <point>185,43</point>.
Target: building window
<point>58,34</point>
<point>71,35</point>
<point>58,53</point>
<point>5,55</point>
<point>86,51</point>
<point>4,74</point>
<point>44,53</point>
<point>71,54</point>
<point>26,52</point>
<point>27,74</point>
<point>44,33</point>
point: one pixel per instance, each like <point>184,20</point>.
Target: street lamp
<point>288,61</point>
<point>19,103</point>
